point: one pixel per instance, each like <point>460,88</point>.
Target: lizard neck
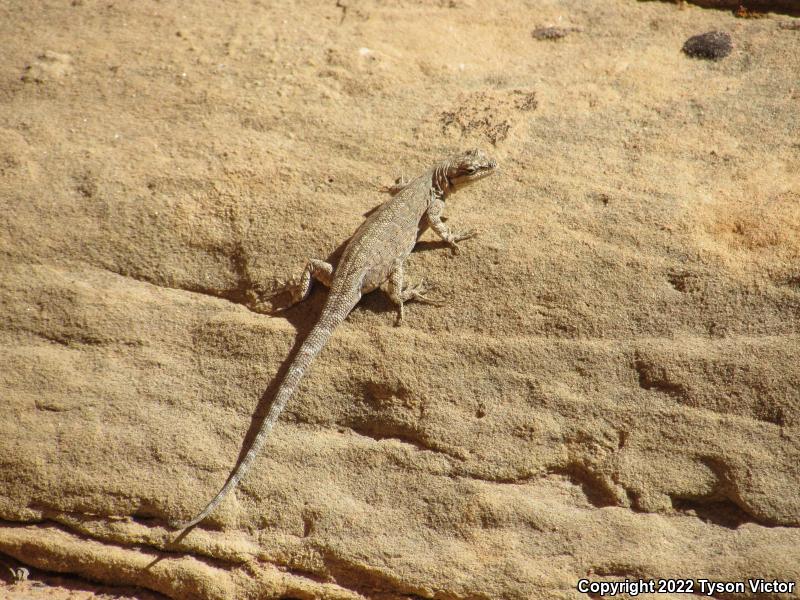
<point>439,182</point>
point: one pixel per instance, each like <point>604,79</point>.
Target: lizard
<point>375,255</point>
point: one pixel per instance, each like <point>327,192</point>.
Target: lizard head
<point>463,169</point>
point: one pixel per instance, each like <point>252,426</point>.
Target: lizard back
<point>388,234</point>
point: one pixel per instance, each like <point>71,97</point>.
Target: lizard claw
<point>432,301</point>
<point>417,293</point>
<point>420,287</point>
<point>459,237</point>
<point>465,235</point>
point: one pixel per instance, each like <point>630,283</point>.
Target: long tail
<point>332,315</point>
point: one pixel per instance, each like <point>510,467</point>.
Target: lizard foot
<point>460,237</point>
<point>417,293</point>
<point>464,235</point>
<point>279,299</point>
<point>398,185</point>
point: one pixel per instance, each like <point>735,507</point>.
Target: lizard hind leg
<point>400,294</point>
<point>297,290</point>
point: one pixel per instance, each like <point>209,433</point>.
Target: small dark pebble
<point>551,33</point>
<point>712,45</point>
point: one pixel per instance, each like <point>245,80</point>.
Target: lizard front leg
<point>399,295</point>
<point>434,214</point>
<point>318,270</point>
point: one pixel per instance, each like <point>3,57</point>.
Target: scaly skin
<point>374,255</point>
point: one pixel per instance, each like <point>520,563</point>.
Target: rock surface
<point>610,392</point>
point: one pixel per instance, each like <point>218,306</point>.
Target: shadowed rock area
<point>790,7</point>
<point>611,391</point>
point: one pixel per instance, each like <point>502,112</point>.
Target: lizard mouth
<point>483,172</point>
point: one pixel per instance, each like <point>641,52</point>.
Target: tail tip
<point>181,525</point>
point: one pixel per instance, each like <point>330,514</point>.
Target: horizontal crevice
<point>243,293</point>
<point>160,554</point>
<point>381,432</point>
<point>372,583</point>
<point>719,511</point>
<point>76,583</point>
<point>621,571</point>
<point>597,491</point>
<point>52,520</point>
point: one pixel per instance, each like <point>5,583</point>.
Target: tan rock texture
<point>611,391</point>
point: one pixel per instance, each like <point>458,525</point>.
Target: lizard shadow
<point>428,246</point>
<point>302,317</point>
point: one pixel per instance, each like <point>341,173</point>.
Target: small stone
<point>712,45</point>
<point>551,33</point>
